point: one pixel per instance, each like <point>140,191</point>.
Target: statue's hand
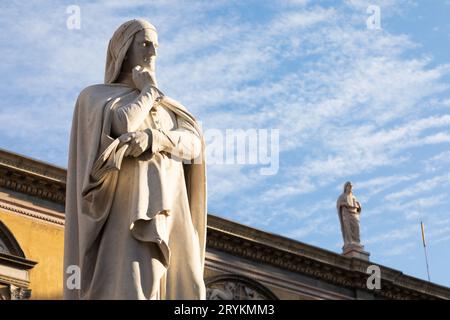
<point>143,78</point>
<point>138,142</point>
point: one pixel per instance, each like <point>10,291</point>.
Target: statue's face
<point>142,51</point>
<point>348,188</point>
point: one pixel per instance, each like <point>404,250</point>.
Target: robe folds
<point>349,211</point>
<point>135,227</point>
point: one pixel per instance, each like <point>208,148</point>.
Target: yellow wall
<point>44,243</point>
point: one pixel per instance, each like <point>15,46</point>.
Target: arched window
<point>8,243</point>
<point>14,267</point>
<point>3,247</point>
<point>236,287</point>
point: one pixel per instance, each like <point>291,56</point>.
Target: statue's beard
<point>149,63</point>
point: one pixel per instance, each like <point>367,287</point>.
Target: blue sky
<point>350,103</point>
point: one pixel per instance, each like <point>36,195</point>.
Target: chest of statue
<point>160,118</point>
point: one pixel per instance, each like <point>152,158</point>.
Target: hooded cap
<point>119,44</point>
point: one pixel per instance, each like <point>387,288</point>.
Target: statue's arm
<point>182,142</point>
<point>129,117</point>
<point>358,206</point>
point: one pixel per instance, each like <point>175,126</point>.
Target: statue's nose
<point>152,50</point>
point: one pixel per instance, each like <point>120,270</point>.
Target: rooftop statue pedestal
<point>355,251</point>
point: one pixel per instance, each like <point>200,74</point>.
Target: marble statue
<point>349,210</point>
<point>136,183</point>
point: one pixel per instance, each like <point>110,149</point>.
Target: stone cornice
<point>32,177</point>
<point>33,212</point>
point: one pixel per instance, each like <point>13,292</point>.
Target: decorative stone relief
<point>236,288</point>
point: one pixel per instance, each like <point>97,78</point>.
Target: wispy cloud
<point>400,249</point>
<point>377,185</point>
<point>421,187</point>
<point>393,235</point>
<point>437,162</point>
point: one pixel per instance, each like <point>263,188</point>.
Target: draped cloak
<point>135,227</point>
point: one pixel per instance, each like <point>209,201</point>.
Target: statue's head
<point>348,187</point>
<point>133,43</point>
<point>142,51</point>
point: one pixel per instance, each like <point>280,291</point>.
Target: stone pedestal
<point>355,251</point>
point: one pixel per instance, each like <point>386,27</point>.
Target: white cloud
<point>400,249</point>
<point>279,191</point>
<point>437,162</point>
<point>380,184</point>
<point>421,187</point>
<point>302,19</point>
<point>393,235</point>
<point>386,181</point>
<point>296,2</point>
<point>316,224</point>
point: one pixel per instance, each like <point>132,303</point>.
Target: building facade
<point>241,262</point>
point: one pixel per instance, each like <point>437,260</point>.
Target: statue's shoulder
<point>174,105</point>
<point>172,102</point>
<point>342,198</point>
<point>98,94</point>
<point>88,91</point>
<point>103,90</point>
